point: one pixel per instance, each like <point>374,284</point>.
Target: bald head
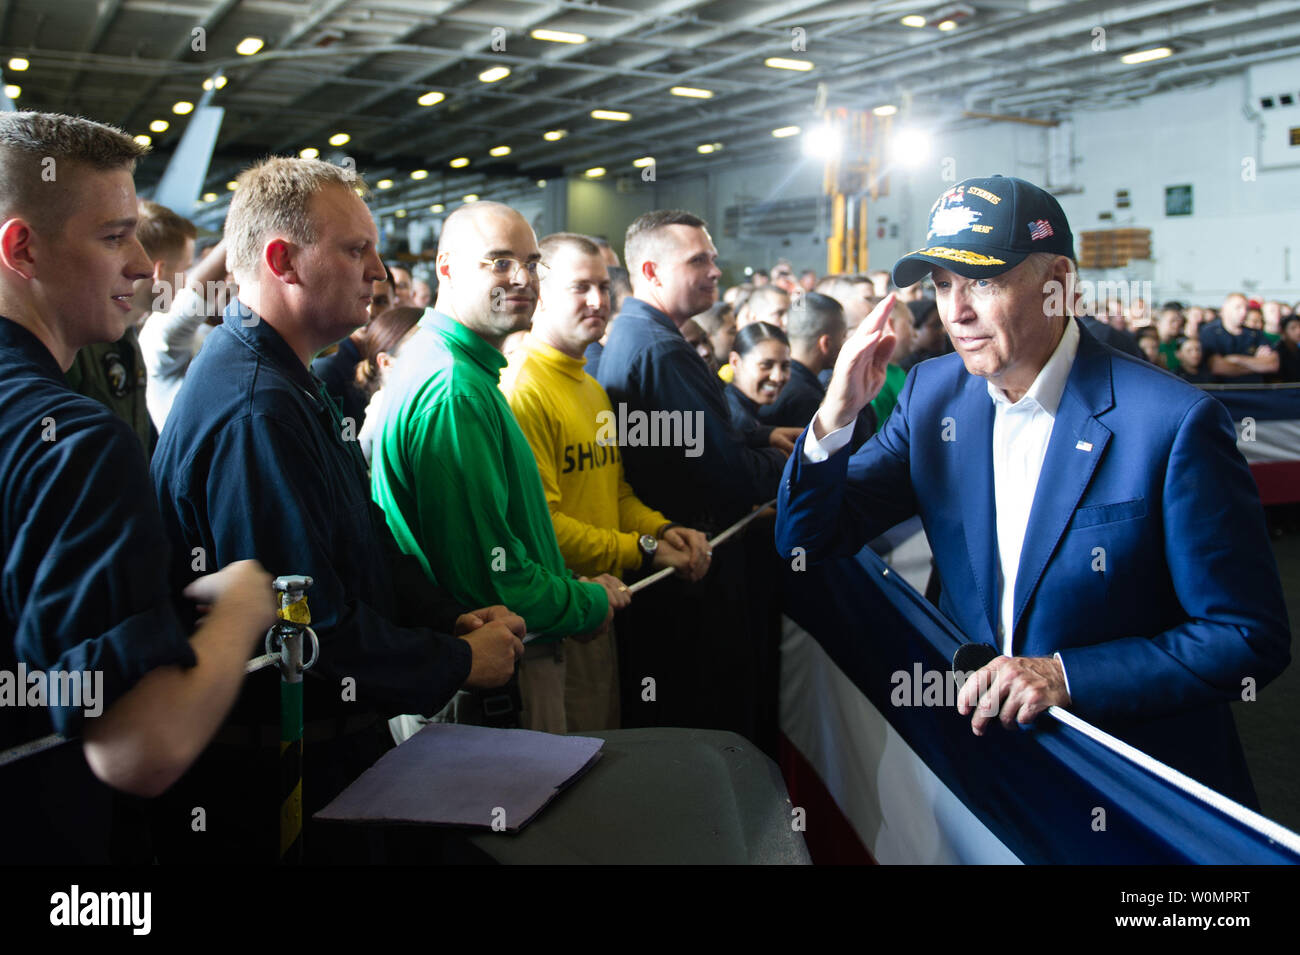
<point>487,270</point>
<point>469,221</point>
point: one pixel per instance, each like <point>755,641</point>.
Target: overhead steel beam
<point>211,20</point>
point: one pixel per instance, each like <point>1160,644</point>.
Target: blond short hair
<point>36,152</point>
<point>273,199</point>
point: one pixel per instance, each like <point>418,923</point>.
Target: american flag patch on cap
<point>1040,229</point>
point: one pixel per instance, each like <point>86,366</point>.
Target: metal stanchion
<point>284,647</point>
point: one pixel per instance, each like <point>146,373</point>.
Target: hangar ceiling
<point>365,69</point>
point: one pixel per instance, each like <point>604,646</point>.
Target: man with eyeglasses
<point>454,473</point>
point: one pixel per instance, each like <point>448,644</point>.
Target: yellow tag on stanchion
<point>296,612</point>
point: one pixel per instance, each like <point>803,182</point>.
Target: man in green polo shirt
<point>455,476</point>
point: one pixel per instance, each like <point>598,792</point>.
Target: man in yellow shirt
<point>601,526</point>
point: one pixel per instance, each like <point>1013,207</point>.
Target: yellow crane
<point>852,179</point>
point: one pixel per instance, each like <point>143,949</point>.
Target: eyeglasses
<point>510,267</point>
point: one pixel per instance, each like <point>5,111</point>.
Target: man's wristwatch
<point>649,547</point>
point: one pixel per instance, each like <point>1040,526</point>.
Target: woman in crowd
<point>928,338</point>
<point>760,360</point>
<point>1189,356</point>
<point>1148,340</point>
<point>1288,350</point>
<point>384,337</point>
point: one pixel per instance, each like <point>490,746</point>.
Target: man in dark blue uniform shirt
<point>84,586</point>
<point>697,641</point>
<point>1234,353</point>
<point>255,460</point>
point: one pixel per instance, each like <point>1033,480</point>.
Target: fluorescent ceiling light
<point>1146,56</point>
<point>558,36</point>
<point>691,92</point>
<point>614,114</point>
<point>249,45</point>
<point>431,98</point>
<point>494,74</point>
<point>782,63</point>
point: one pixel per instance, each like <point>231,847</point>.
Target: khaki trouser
<point>591,699</point>
<point>541,687</point>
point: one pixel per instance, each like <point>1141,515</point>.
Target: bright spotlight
<point>822,142</point>
<point>910,147</point>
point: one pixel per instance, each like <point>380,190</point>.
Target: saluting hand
<point>859,371</point>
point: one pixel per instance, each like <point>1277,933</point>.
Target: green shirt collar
<point>464,342</point>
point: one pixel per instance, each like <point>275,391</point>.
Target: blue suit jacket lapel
<point>974,424</point>
<point>1068,466</point>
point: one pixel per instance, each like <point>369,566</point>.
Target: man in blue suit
<point>1090,515</point>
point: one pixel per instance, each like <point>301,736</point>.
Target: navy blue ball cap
<point>982,227</point>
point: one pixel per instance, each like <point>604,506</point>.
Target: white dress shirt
<point>169,341</point>
<point>1021,433</point>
